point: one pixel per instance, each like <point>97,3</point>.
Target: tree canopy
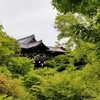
<point>73,76</point>
<point>8,47</point>
<point>87,7</point>
<point>79,20</point>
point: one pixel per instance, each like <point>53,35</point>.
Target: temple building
<point>30,47</point>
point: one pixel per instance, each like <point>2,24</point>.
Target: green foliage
<point>20,65</point>
<point>34,80</point>
<point>82,54</point>
<point>59,80</point>
<point>58,87</point>
<point>46,71</point>
<point>8,47</point>
<point>70,84</point>
<point>87,7</point>
<point>4,97</point>
<point>4,71</point>
<point>81,20</point>
<point>59,62</point>
<point>83,30</point>
<point>31,79</point>
<point>12,89</point>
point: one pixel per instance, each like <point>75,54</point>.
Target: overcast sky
<point>22,18</point>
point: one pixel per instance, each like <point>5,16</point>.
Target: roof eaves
<point>31,36</point>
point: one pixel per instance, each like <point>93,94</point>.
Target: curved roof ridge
<point>25,40</point>
<point>27,37</point>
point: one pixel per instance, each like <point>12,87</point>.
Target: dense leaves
<point>20,65</point>
<point>86,7</point>
<point>73,76</point>
<point>12,89</point>
<point>79,20</point>
<point>60,62</point>
<point>8,47</point>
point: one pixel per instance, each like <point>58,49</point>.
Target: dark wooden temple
<point>31,48</point>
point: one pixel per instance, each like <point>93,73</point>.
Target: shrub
<point>31,79</point>
<point>12,88</point>
<point>4,70</point>
<point>20,65</point>
<point>60,62</point>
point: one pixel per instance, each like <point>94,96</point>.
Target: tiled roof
<point>26,40</point>
<point>30,45</point>
<point>58,49</point>
<point>26,43</point>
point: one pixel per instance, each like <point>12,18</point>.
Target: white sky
<point>22,18</point>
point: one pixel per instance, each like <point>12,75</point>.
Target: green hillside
<point>73,76</point>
